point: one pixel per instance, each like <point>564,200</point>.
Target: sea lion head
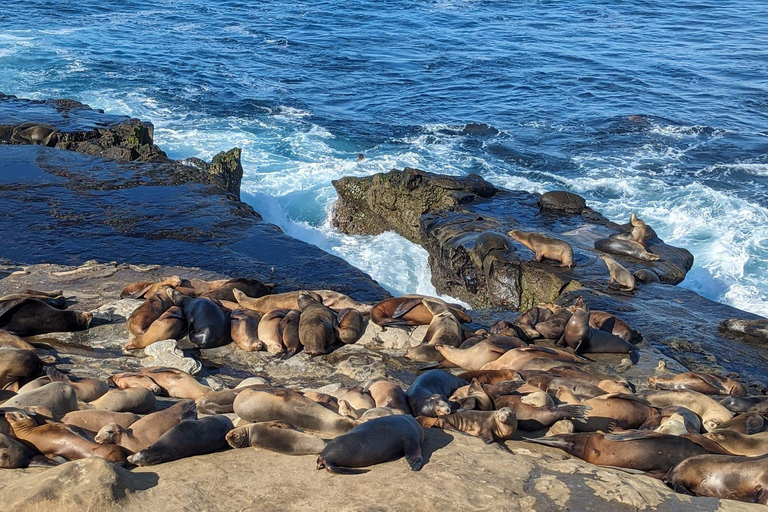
<point>711,424</point>
<point>238,438</point>
<point>20,419</point>
<point>436,405</point>
<point>108,434</point>
<point>506,416</point>
<point>307,299</point>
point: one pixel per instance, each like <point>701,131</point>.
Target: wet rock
<point>562,201</point>
<point>167,353</point>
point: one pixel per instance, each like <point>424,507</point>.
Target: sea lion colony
<point>495,383</point>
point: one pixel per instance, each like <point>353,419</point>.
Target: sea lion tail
<point>55,375</point>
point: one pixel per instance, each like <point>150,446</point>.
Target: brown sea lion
<point>17,367</point>
<point>618,274</point>
<point>515,359</point>
<point>257,405</point>
<point>176,383</point>
<point>222,402</point>
<point>142,433</point>
<point>93,420</point>
<point>545,247</point>
<point>526,322</point>
<point>743,404</point>
<point>537,416</point>
<point>747,423</point>
<point>225,291</point>
<point>330,402</point>
<point>638,231</point>
<point>722,476</point>
<point>149,311</point>
<point>13,454</point>
<point>269,331</point>
<point>289,326</point>
<point>245,329</point>
<point>410,310</point>
<point>428,395</point>
<point>290,300</point>
<point>704,383</point>
<point>316,325</point>
<point>135,400</point>
<point>489,426</point>
<point>737,443</point>
<point>472,358</point>
<point>141,289</point>
<point>86,390</point>
<point>444,328</point>
<point>615,244</point>
<point>134,380</point>
<point>58,439</point>
<point>57,397</point>
<point>208,324</point>
<point>501,325</point>
<point>712,414</point>
<point>490,376</point>
<point>472,397</point>
<point>585,339</point>
<point>276,436</point>
<point>612,410</point>
<point>349,325</point>
<point>373,442</point>
<point>11,340</point>
<point>388,394</point>
<point>552,328</point>
<point>29,317</point>
<point>171,325</point>
<point>188,438</point>
<point>614,325</point>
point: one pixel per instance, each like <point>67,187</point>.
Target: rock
<point>562,201</point>
<point>401,338</point>
<point>251,381</point>
<point>167,353</point>
<point>213,382</point>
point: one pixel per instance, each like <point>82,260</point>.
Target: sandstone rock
<point>167,353</point>
<point>401,338</point>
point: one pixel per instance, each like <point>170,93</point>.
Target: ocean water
<point>638,105</point>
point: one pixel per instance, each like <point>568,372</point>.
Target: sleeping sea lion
<point>142,433</point>
<point>704,383</point>
<point>190,437</point>
<point>722,476</point>
<point>208,324</point>
<point>171,325</point>
<point>276,436</point>
<point>316,325</point>
<point>489,426</point>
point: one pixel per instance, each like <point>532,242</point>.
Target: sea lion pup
<point>742,404</point>
<point>257,405</point>
<point>175,383</point>
<point>629,244</point>
<point>17,367</point>
<point>489,426</point>
<point>472,397</point>
<point>388,394</point>
<point>135,400</point>
<point>208,324</point>
<point>86,390</point>
<point>148,429</point>
<point>316,326</point>
<point>356,397</point>
<point>614,325</point>
<point>290,300</point>
<point>545,247</point>
<point>269,331</point>
<point>143,289</point>
<point>410,310</point>
<point>721,476</point>
<point>29,317</point>
<point>134,380</point>
<point>618,274</point>
<point>149,311</point>
<point>539,415</point>
<point>428,395</point>
<point>171,325</point>
<point>515,359</point>
<point>57,397</point>
<point>349,325</point>
<point>94,420</point>
<point>245,329</point>
<point>373,442</point>
<point>222,402</point>
<point>737,443</point>
<point>251,287</point>
<point>500,326</point>
<point>643,450</point>
<point>58,439</point>
<point>188,438</point>
<point>712,414</point>
<point>490,376</point>
<point>700,382</point>
<point>585,339</point>
<point>747,423</point>
<point>674,420</point>
<point>276,436</point>
<point>620,410</point>
<point>289,327</point>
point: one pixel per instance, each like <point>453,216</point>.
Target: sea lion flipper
<point>345,471</point>
<point>633,435</point>
<point>754,424</point>
<point>413,455</point>
<point>405,307</point>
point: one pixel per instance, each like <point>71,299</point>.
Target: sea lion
<point>13,454</point>
<point>290,300</point>
<point>244,329</point>
<point>624,245</point>
<point>330,402</point>
<point>526,322</point>
<point>489,426</point>
<point>135,400</point>
<point>428,395</point>
<point>410,310</point>
<point>700,382</point>
<point>222,402</point>
<point>356,397</point>
<point>134,380</point>
<point>472,397</point>
<point>208,324</point>
<point>276,436</point>
<point>93,420</point>
<point>171,325</point>
<point>18,366</point>
<point>618,274</point>
<point>86,390</point>
<point>257,405</point>
<point>29,317</point>
<point>737,443</point>
<point>742,404</point>
<point>251,287</point>
<point>316,325</point>
<point>472,358</point>
<point>747,423</point>
<point>721,476</point>
<point>269,332</point>
<point>58,439</point>
<point>538,415</point>
<point>612,410</point>
<point>11,340</point>
<point>176,383</point>
<point>674,420</point>
<point>545,247</point>
<point>712,414</point>
<point>614,325</point>
<point>388,394</point>
<point>349,325</point>
<point>57,397</point>
<point>143,289</point>
<point>638,230</point>
<point>289,326</point>
<point>490,376</point>
<point>373,442</point>
<point>142,433</point>
<point>515,359</point>
<point>188,438</point>
<point>149,311</point>
<point>501,325</point>
<point>444,328</point>
<point>552,328</point>
<point>585,339</point>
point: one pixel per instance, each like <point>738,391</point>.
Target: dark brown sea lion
<point>142,433</point>
<point>149,311</point>
<point>747,423</point>
<point>29,317</point>
<point>17,367</point>
<point>545,247</point>
<point>428,395</point>
<point>388,394</point>
<point>176,383</point>
<point>349,325</point>
<point>134,380</point>
<point>374,442</point>
<point>614,325</point>
<point>618,274</point>
<point>585,339</point>
<point>700,382</point>
<point>276,436</point>
<point>92,420</point>
<point>526,322</point>
<point>135,400</point>
<point>171,325</point>
<point>58,439</point>
<point>140,289</point>
<point>208,324</point>
<point>188,438</point>
<point>552,328</point>
<point>489,426</point>
<point>722,476</point>
<point>316,325</point>
<point>516,358</point>
<point>245,329</point>
<point>536,417</point>
<point>490,376</point>
<point>289,326</point>
<point>742,404</point>
<point>13,454</point>
<point>410,310</point>
<point>251,287</point>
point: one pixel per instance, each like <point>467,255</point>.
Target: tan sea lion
<point>545,247</point>
<point>57,397</point>
<point>472,397</point>
<point>17,367</point>
<point>712,414</point>
<point>257,405</point>
<point>410,310</point>
<point>176,383</point>
<point>472,358</point>
<point>142,433</point>
<point>289,327</point>
<point>188,438</point>
<point>637,233</point>
<point>135,400</point>
<point>86,390</point>
<point>349,325</point>
<point>539,414</point>
<point>330,402</point>
<point>356,397</point>
<point>612,410</point>
<point>618,274</point>
<point>93,420</point>
<point>276,436</point>
<point>134,380</point>
<point>11,340</point>
<point>171,325</point>
<point>747,423</point>
<point>722,476</point>
<point>489,426</point>
<point>245,329</point>
<point>222,402</point>
<point>290,300</point>
<point>373,442</point>
<point>225,291</point>
<point>149,311</point>
<point>674,420</point>
<point>388,394</point>
<point>704,383</point>
<point>269,331</point>
<point>737,443</point>
<point>316,325</point>
<point>444,328</point>
<point>141,289</point>
<point>515,359</point>
<point>58,439</point>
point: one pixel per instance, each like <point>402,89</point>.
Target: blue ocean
<point>638,105</point>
